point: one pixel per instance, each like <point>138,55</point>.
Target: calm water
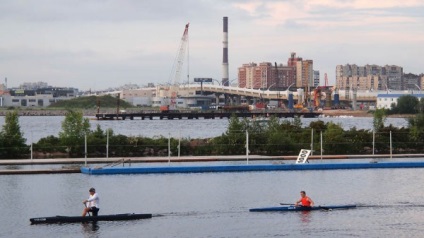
<point>37,127</point>
<point>216,204</point>
<point>213,204</point>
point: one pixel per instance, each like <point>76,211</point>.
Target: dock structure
<point>202,115</point>
<point>39,171</point>
<point>74,165</point>
<point>248,168</point>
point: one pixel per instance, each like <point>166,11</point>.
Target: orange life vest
<point>305,201</point>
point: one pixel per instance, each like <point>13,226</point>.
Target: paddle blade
<point>325,208</point>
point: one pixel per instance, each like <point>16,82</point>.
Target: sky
<point>101,44</point>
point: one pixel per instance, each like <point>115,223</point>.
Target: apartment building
<point>297,73</point>
<point>369,77</point>
<point>304,73</point>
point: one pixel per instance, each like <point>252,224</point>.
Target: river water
<point>217,204</point>
<point>213,204</point>
<point>36,127</point>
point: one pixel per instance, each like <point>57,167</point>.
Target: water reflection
<point>90,229</point>
<point>305,216</point>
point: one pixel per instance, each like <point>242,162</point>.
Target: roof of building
<point>397,95</point>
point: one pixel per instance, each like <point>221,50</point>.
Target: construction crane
<point>175,75</point>
<point>179,59</point>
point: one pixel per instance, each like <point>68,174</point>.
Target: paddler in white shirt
<point>92,203</point>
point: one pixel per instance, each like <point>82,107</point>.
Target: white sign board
<point>303,156</point>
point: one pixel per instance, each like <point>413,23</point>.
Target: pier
<point>202,115</point>
<point>249,168</point>
<point>73,165</point>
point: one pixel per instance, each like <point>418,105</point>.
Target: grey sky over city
<point>100,44</point>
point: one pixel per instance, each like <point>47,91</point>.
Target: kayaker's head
<point>92,190</point>
<point>302,193</point>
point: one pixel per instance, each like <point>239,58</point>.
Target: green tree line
<point>273,137</point>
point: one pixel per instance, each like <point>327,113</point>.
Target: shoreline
<point>92,113</point>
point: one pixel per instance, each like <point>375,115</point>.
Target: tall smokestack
<point>225,73</point>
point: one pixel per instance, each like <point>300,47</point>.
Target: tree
<point>74,129</point>
<point>233,141</point>
<point>406,104</point>
<point>421,105</point>
<point>378,120</point>
<point>48,144</point>
<point>416,127</point>
<point>97,140</point>
<point>335,142</point>
<point>12,142</point>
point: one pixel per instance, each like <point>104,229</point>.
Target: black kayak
<point>69,219</point>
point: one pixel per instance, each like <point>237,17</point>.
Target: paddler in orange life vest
<point>304,200</point>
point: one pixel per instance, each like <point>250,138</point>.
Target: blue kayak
<point>300,208</point>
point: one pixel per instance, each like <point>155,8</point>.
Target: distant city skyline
<point>105,44</point>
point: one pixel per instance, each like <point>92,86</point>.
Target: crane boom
<point>179,60</point>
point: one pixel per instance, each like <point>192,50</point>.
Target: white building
<point>386,100</point>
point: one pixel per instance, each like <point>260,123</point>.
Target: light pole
<point>263,91</point>
<point>418,87</point>
<point>419,104</point>
<point>219,83</point>
<point>229,83</point>
<point>288,89</point>
<point>271,86</point>
<point>289,100</point>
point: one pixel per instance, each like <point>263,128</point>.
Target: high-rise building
<point>369,77</point>
<point>304,73</point>
<point>297,72</point>
<point>255,76</point>
<point>284,76</point>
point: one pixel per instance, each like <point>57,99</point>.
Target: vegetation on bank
<point>92,102</point>
<point>12,142</point>
<point>272,137</point>
<point>406,104</point>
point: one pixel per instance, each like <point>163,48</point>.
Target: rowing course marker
<point>303,156</point>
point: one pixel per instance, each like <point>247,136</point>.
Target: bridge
<point>205,115</point>
<point>344,95</point>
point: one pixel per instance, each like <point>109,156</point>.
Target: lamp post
<point>290,100</point>
<point>229,83</point>
<point>271,86</point>
<point>288,89</point>
<point>419,104</point>
<point>219,83</point>
<point>387,88</point>
<point>418,87</point>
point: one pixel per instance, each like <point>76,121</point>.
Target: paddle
<point>286,204</point>
<point>325,208</point>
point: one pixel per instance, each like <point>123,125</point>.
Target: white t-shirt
<point>93,200</point>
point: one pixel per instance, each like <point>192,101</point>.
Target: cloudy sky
<point>98,44</point>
